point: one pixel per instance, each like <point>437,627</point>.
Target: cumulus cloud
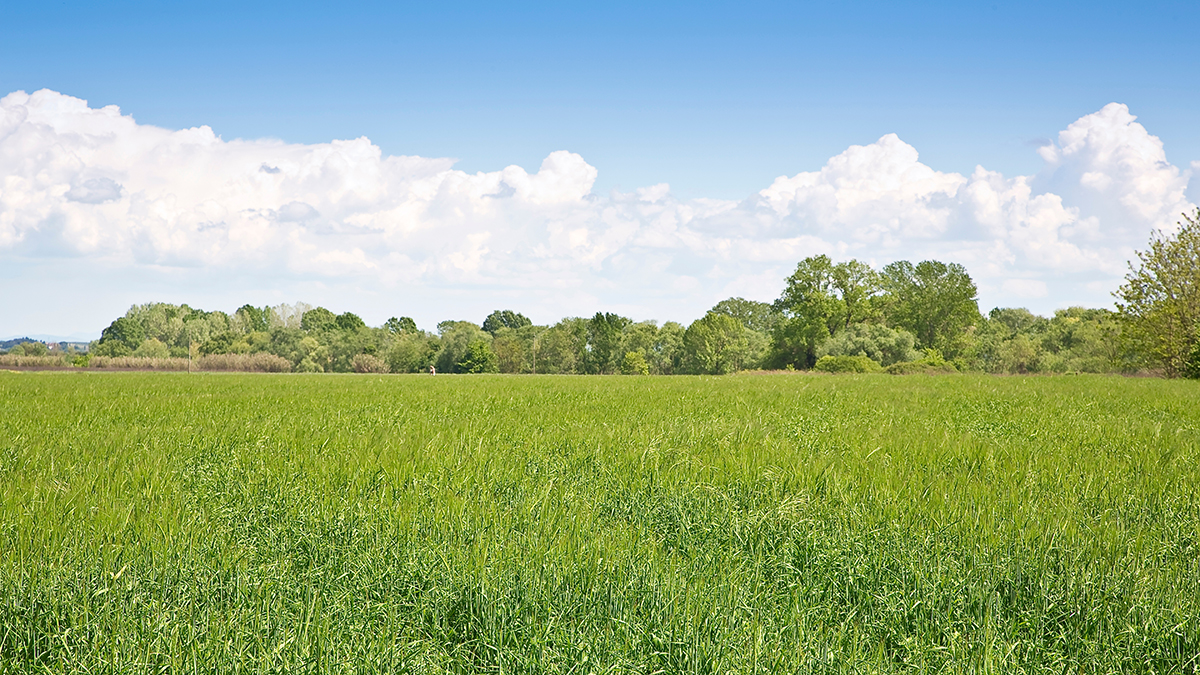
<point>77,181</point>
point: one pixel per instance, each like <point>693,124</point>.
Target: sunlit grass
<point>791,523</point>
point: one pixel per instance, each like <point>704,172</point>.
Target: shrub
<point>366,363</point>
<point>635,364</point>
<point>878,342</point>
<point>136,363</point>
<point>247,363</point>
<point>847,364</point>
<point>932,364</point>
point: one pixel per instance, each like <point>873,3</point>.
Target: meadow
<point>235,523</point>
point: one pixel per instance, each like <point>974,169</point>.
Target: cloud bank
<point>95,187</point>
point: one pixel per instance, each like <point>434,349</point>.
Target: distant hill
<point>9,344</point>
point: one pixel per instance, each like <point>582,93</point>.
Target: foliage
<point>934,301</point>
<point>760,317</point>
<point>366,363</point>
<point>875,341</point>
<point>604,331</point>
<point>932,363</point>
<point>505,318</point>
<point>403,324</point>
<point>562,349</point>
<point>847,364</point>
<point>318,319</point>
<point>479,358</point>
<point>1159,303</point>
<point>125,331</point>
<point>716,345</point>
<point>152,348</point>
<point>634,363</point>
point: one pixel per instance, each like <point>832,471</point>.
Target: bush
<point>875,341</point>
<point>136,363</point>
<point>245,363</point>
<point>847,364</point>
<point>635,364</point>
<point>366,363</point>
<point>932,364</point>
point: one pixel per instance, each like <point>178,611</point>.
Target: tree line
<point>845,316</point>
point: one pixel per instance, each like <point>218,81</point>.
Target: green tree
<point>934,301</point>
<point>349,321</point>
<point>819,299</point>
<point>634,363</point>
<point>1159,303</point>
<point>604,342</point>
<point>505,318</point>
<point>881,344</point>
<point>757,316</point>
<point>254,319</point>
<point>125,331</point>
<point>403,324</point>
<point>455,338</point>
<point>715,344</point>
<point>479,358</point>
<point>318,319</point>
<point>562,348</point>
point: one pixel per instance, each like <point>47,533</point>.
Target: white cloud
<point>93,184</point>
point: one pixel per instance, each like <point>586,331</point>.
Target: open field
<point>788,523</point>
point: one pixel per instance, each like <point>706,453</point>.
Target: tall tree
<point>715,344</point>
<point>934,301</point>
<point>819,299</point>
<point>758,316</point>
<point>1159,303</point>
<point>604,342</point>
<point>505,318</point>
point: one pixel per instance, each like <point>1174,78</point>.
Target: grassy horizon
<point>801,523</point>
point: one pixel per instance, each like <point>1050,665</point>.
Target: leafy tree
<point>562,348</point>
<point>715,345</point>
<point>514,348</point>
<point>456,339</point>
<point>412,352</point>
<point>125,331</point>
<point>934,301</point>
<point>667,355</point>
<point>883,345</point>
<point>505,318</point>
<point>253,319</point>
<point>757,316</point>
<point>634,363</point>
<point>153,349</point>
<point>403,324</point>
<point>349,321</point>
<point>318,319</point>
<point>1159,303</point>
<point>819,299</point>
<point>479,358</point>
<point>604,342</point>
<point>34,348</point>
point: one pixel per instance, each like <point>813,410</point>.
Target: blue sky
<point>717,100</point>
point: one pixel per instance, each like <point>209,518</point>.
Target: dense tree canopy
<point>905,317</point>
<point>1160,300</point>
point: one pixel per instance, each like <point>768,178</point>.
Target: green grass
<point>287,523</point>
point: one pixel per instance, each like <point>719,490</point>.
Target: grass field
<point>782,523</point>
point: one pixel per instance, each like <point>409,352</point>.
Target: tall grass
<point>224,523</point>
<point>137,363</point>
<point>246,363</point>
<point>44,361</point>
